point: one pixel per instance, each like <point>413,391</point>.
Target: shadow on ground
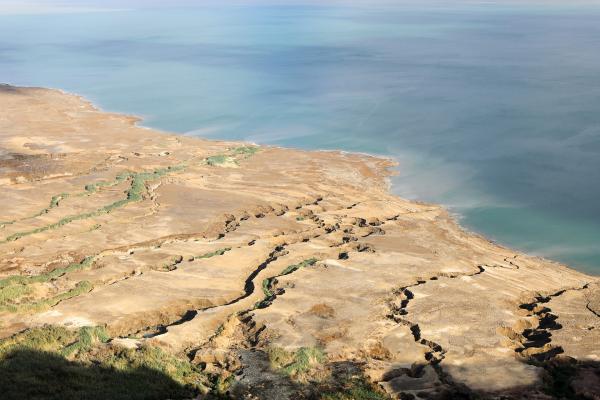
<point>567,378</point>
<point>563,378</point>
<point>31,374</point>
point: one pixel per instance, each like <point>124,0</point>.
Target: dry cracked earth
<point>243,259</point>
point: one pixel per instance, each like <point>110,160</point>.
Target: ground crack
<point>533,341</point>
<point>398,305</point>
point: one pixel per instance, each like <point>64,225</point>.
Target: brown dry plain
<point>236,257</point>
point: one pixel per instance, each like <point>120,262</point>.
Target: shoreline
<point>210,248</point>
<point>138,121</point>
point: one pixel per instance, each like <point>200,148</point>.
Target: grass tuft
<point>355,389</point>
<point>88,336</point>
<point>44,304</point>
<point>12,293</point>
<point>218,252</point>
<point>218,160</point>
<point>246,150</point>
<point>45,277</point>
<point>304,360</point>
<point>62,363</point>
<point>267,284</point>
<point>296,364</point>
<point>294,267</point>
<point>41,305</point>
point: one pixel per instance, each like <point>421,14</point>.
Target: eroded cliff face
<point>290,271</point>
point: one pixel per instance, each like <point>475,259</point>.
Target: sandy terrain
<point>221,251</point>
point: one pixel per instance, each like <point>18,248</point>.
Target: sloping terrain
<point>260,272</point>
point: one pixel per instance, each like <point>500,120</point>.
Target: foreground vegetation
<point>296,364</point>
<point>57,363</point>
<point>354,389</point>
<point>308,364</point>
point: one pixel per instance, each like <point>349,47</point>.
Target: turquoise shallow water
<point>492,109</point>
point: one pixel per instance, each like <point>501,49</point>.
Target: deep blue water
<point>491,108</point>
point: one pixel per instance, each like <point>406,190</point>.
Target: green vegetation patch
<point>87,337</point>
<point>55,339</point>
<point>218,252</point>
<point>266,287</point>
<point>221,385</point>
<point>246,150</point>
<point>14,288</point>
<point>171,265</point>
<point>292,268</point>
<point>54,201</point>
<point>49,338</point>
<point>304,360</point>
<point>10,294</point>
<point>235,153</point>
<point>154,358</point>
<point>44,304</point>
<point>267,284</point>
<point>133,194</point>
<point>93,187</point>
<point>46,277</point>
<point>309,363</point>
<point>57,363</point>
<point>354,389</point>
<point>298,363</point>
<point>218,160</point>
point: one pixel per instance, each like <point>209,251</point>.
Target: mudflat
<point>274,273</point>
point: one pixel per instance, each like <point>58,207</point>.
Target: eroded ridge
<point>241,270</point>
